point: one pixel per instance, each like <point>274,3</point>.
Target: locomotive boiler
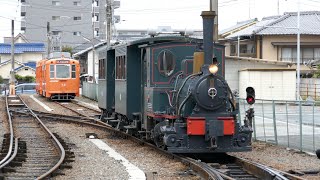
<point>170,89</point>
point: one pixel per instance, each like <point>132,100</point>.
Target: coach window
<point>73,71</point>
<point>121,67</point>
<point>101,69</point>
<point>166,63</point>
<point>51,71</point>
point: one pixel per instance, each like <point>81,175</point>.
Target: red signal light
<point>250,95</point>
<point>250,100</point>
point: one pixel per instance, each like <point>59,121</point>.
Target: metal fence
<point>293,124</point>
<point>310,87</point>
<point>90,90</point>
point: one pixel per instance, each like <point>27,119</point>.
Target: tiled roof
<point>309,24</point>
<point>238,25</point>
<point>9,61</point>
<point>254,28</point>
<point>22,47</point>
<point>23,67</point>
<point>284,25</point>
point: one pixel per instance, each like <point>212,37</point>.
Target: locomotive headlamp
<point>213,68</point>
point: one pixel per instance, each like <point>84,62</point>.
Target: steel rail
<point>80,114</point>
<point>277,174</point>
<point>13,155</point>
<point>11,134</point>
<point>56,141</point>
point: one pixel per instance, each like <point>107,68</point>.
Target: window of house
<point>56,48</point>
<point>23,14</point>
<point>55,18</point>
<point>77,18</point>
<point>316,53</point>
<point>77,33</point>
<point>56,32</point>
<point>56,3</point>
<point>23,1</point>
<point>233,50</point>
<point>286,54</point>
<point>96,3</point>
<point>166,63</point>
<point>306,54</point>
<point>76,3</point>
<point>243,48</point>
<point>96,17</point>
<point>96,33</point>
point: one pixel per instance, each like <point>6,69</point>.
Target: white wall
<point>273,84</point>
<point>90,64</point>
<point>5,71</point>
<point>232,68</point>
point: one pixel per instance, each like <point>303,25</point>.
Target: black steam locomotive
<point>171,90</point>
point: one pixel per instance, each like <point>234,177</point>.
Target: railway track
<point>227,167</point>
<point>80,109</point>
<point>31,151</point>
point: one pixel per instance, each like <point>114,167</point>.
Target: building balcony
<point>96,9</point>
<point>245,54</point>
<point>23,9</point>
<point>294,60</point>
<point>116,4</point>
<point>23,25</point>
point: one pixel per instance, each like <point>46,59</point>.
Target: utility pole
<point>93,50</point>
<point>214,7</point>
<point>298,52</point>
<point>12,78</point>
<point>49,39</point>
<point>109,21</point>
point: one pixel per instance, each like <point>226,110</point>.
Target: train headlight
<point>213,68</point>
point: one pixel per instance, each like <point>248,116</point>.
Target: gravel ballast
<point>93,163</point>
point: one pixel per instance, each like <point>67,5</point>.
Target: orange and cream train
<point>58,78</point>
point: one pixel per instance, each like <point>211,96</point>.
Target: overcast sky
<point>179,14</point>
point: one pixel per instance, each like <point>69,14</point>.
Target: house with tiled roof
<point>275,38</point>
<point>26,56</point>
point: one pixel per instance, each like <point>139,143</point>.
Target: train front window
<point>62,71</point>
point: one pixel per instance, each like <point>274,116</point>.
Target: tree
<point>29,79</point>
<point>1,79</point>
<point>317,73</point>
<point>67,49</point>
<point>18,77</point>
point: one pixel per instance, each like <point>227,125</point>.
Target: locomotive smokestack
<point>208,21</point>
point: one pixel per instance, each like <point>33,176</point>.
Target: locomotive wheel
<point>157,136</point>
